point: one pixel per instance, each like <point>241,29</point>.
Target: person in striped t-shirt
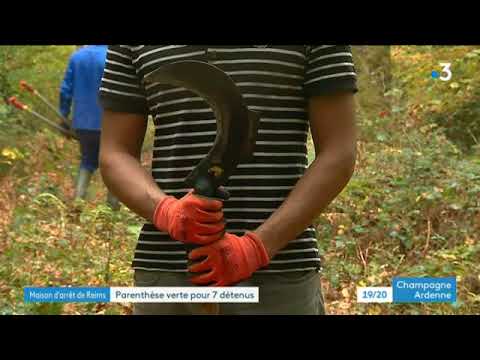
<point>263,234</point>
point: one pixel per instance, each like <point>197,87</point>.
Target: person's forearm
<point>322,182</point>
<point>127,179</point>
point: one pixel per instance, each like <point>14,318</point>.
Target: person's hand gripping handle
<point>204,189</point>
<point>193,219</point>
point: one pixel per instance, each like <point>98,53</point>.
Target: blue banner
<point>424,290</point>
<point>66,294</point>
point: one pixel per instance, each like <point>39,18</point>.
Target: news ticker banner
<point>403,290</point>
<point>411,290</point>
<point>141,294</point>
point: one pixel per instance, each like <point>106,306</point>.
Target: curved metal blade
<point>236,125</point>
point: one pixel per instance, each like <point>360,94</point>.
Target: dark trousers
<point>296,293</point>
<point>89,148</point>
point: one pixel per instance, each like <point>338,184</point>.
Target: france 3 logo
<point>445,74</point>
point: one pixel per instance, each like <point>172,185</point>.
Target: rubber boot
<point>83,180</point>
<point>113,202</point>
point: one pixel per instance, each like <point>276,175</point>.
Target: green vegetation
<point>413,205</point>
<point>411,209</point>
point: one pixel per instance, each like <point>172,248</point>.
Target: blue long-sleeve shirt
<point>80,86</point>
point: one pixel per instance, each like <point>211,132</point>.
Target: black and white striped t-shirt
<point>275,81</point>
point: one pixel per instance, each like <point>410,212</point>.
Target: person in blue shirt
<point>80,87</point>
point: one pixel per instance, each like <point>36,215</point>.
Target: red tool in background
<point>27,87</point>
<point>21,106</point>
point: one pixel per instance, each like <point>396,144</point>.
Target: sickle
<point>236,124</point>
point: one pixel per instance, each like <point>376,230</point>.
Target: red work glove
<point>192,219</point>
<point>229,260</point>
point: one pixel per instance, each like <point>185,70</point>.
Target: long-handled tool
<point>27,87</point>
<point>236,125</point>
<point>21,106</point>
